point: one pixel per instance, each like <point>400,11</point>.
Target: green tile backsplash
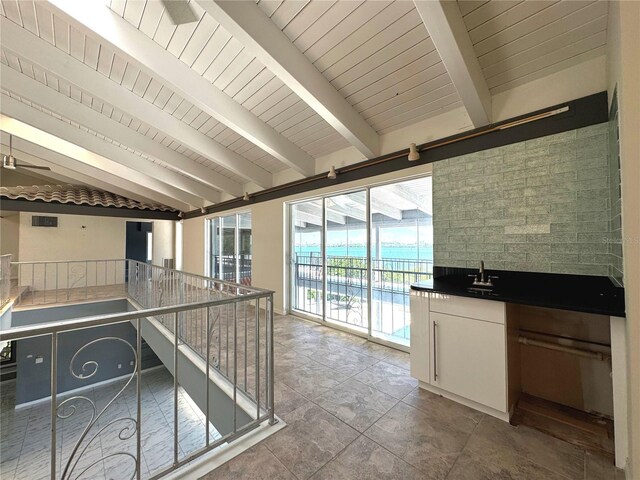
<point>543,205</point>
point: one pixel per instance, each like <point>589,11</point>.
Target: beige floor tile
<point>364,460</point>
<point>310,440</point>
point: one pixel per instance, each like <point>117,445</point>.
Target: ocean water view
<point>401,252</point>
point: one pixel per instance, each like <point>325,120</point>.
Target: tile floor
<point>354,412</point>
<point>25,447</point>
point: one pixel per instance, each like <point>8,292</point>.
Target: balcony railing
<point>347,287</point>
<point>224,329</point>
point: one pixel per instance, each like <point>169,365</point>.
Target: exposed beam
<point>308,218</point>
<point>316,210</point>
<point>386,209</point>
<point>38,51</point>
<point>418,202</point>
<point>87,174</point>
<point>343,206</point>
<point>28,123</point>
<point>100,152</point>
<point>257,32</point>
<point>44,96</point>
<point>100,22</point>
<point>446,27</point>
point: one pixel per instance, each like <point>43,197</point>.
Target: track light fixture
<point>203,210</point>
<point>332,173</point>
<point>413,153</point>
<point>246,196</point>
<point>180,214</point>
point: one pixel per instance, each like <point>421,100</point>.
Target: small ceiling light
<point>180,214</point>
<point>203,210</point>
<point>246,196</point>
<point>332,173</point>
<point>413,153</point>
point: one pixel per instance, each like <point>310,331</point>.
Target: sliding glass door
<point>401,253</point>
<point>229,247</point>
<point>307,260</point>
<point>346,259</point>
<point>356,254</point>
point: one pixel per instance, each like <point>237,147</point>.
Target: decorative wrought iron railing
<point>50,282</point>
<point>5,279</point>
<point>225,329</point>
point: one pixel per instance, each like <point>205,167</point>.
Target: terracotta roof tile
<point>79,195</point>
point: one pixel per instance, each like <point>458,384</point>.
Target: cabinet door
<point>468,358</point>
<point>420,341</point>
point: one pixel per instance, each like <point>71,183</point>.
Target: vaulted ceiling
<point>191,114</point>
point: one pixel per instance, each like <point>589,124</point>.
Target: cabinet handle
<point>435,351</point>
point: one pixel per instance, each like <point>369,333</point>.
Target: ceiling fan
<point>179,11</point>
<point>9,161</point>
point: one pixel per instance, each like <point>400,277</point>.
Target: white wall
<point>624,72</point>
<point>9,234</point>
<point>81,237</point>
<point>163,241</point>
<point>193,245</point>
<point>77,237</point>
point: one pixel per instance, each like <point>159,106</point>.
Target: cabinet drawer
<point>486,310</point>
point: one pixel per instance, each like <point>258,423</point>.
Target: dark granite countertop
<point>580,293</point>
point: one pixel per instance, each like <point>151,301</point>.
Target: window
<point>356,254</point>
<point>229,248</point>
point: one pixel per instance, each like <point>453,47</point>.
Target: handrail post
<point>54,401</point>
<point>270,384</point>
<point>138,398</point>
<point>175,389</point>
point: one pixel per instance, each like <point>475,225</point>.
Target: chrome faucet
<point>481,279</point>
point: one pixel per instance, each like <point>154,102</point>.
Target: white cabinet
<point>419,304</point>
<point>459,349</point>
<point>469,358</point>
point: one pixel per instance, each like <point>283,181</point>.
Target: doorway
<point>139,241</point>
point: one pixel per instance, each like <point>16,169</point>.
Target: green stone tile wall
<point>543,205</point>
<point>615,245</point>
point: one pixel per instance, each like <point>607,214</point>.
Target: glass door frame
<point>322,319</point>
<point>209,271</point>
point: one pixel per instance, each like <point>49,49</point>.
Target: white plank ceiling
<point>377,54</point>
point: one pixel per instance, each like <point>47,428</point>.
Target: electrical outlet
<point>119,366</point>
<point>131,363</point>
<point>39,359</point>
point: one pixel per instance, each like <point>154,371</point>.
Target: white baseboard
<point>204,464</point>
<point>75,391</point>
<point>504,416</point>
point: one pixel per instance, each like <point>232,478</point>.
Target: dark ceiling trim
<point>39,206</point>
<point>582,112</point>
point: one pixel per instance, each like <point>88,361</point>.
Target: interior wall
<point>77,237</point>
<point>193,246</point>
<point>163,240</point>
<point>537,206</point>
<point>83,237</point>
<point>9,234</point>
<point>623,73</point>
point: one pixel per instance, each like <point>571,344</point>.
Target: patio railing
<point>347,290</point>
<point>228,327</point>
